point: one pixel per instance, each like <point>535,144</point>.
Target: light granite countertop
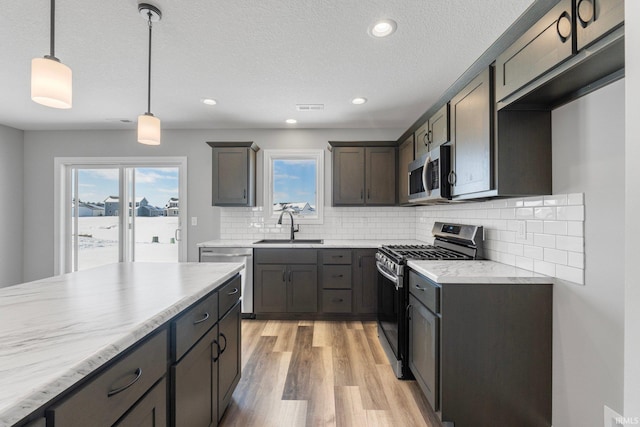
<point>326,244</point>
<point>481,272</point>
<point>56,331</point>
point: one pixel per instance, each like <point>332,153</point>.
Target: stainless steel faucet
<point>292,229</point>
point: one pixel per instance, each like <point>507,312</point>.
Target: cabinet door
<point>546,44</point>
<point>380,176</point>
<point>421,140</point>
<point>270,288</point>
<point>302,288</point>
<point>472,137</point>
<point>365,283</point>
<point>230,176</point>
<point>229,363</point>
<point>195,396</point>
<point>423,349</point>
<point>439,127</point>
<point>150,411</point>
<point>348,176</point>
<point>405,156</point>
<point>595,18</point>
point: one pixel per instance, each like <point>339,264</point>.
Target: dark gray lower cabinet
<point>195,380</point>
<point>229,363</point>
<point>151,411</point>
<point>424,344</point>
<point>365,282</point>
<point>285,281</point>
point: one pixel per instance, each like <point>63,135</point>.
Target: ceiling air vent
<point>309,107</point>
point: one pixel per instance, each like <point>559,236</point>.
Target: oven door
<point>392,319</point>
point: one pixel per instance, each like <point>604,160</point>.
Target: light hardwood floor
<point>321,373</point>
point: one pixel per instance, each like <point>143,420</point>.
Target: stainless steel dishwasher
<point>242,255</point>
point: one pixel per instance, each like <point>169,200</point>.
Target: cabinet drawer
<point>336,301</point>
<point>108,396</point>
<point>336,256</point>
<point>228,296</point>
<point>285,256</point>
<point>193,324</point>
<point>336,276</point>
<point>425,291</point>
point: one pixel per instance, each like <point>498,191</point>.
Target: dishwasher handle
<point>214,254</point>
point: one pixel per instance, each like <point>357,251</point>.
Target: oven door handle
<point>396,280</point>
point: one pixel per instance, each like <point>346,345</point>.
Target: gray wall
<point>41,147</point>
<point>588,341</point>
<point>632,251</point>
<point>11,213</point>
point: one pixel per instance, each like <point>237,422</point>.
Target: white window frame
<point>269,157</point>
<point>62,177</point>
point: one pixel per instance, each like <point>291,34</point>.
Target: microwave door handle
<point>426,175</point>
<point>408,183</point>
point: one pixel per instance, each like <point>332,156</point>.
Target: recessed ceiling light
<point>358,101</point>
<point>291,121</point>
<point>383,28</point>
<point>209,101</point>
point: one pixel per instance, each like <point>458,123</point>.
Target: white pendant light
<point>149,125</point>
<point>50,78</point>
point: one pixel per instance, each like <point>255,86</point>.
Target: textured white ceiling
<point>258,59</point>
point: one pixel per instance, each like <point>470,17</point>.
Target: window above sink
<point>294,181</point>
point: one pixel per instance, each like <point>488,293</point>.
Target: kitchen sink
<point>288,242</point>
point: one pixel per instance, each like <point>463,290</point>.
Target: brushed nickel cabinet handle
<point>338,275</point>
<point>204,319</point>
<point>284,277</point>
<point>419,288</point>
<point>233,292</point>
<point>452,178</point>
<point>138,373</point>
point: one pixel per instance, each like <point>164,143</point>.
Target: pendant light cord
<point>52,27</point>
<point>149,73</point>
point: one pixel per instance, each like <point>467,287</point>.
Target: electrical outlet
<point>194,220</point>
<point>521,232</point>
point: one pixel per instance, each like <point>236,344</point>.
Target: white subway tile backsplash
<point>555,256</point>
<point>544,240</point>
<point>570,243</point>
<point>554,242</point>
<point>547,213</point>
<point>555,227</point>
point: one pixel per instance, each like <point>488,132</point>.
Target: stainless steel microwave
<point>429,176</point>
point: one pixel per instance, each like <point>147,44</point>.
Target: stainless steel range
<point>452,242</point>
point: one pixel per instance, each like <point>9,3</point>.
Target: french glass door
<point>122,212</point>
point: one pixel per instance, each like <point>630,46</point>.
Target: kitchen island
<point>55,332</point>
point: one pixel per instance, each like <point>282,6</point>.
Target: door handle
<point>563,26</point>
<point>244,194</point>
<point>586,12</point>
<point>225,343</point>
<point>452,178</point>
<point>217,356</point>
<point>284,275</point>
<point>177,234</point>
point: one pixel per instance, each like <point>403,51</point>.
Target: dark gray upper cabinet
<point>472,137</point>
<point>439,128</point>
<point>405,156</point>
<point>545,45</point>
<point>234,173</point>
<point>421,138</point>
<point>364,173</point>
<point>595,18</point>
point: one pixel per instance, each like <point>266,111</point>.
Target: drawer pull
<point>338,275</point>
<point>337,256</point>
<point>338,300</point>
<point>217,356</point>
<point>204,319</point>
<point>420,289</point>
<point>233,292</point>
<point>225,343</point>
<point>138,373</point>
